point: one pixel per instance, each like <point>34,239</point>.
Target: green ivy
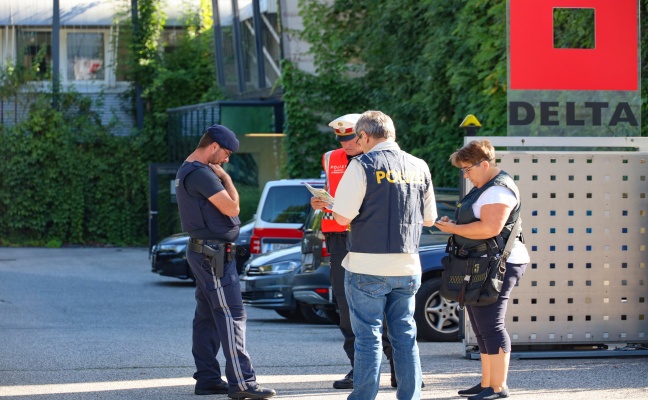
<point>64,177</point>
<point>426,63</point>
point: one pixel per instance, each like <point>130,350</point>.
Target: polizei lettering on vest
<point>523,113</point>
<point>393,176</point>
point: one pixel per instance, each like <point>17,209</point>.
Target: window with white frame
<point>85,56</point>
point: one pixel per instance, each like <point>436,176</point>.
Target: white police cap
<point>345,126</point>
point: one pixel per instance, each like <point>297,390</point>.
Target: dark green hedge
<point>64,178</point>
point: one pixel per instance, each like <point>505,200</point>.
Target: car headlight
<point>278,268</point>
<point>171,248</point>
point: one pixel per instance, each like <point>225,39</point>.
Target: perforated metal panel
<point>584,220</point>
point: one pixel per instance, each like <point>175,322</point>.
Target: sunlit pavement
<point>97,324</point>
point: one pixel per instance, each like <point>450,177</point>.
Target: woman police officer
<point>489,209</point>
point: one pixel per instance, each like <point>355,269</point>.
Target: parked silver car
<point>266,282</point>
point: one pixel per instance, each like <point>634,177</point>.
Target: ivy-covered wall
<point>426,63</point>
<point>64,177</point>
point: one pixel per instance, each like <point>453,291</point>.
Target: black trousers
<point>336,244</point>
<point>219,322</point>
<point>488,321</point>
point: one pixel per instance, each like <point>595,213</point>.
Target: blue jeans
<point>372,298</point>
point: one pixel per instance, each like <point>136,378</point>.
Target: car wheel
<point>293,315</point>
<point>333,315</point>
<point>313,315</point>
<point>437,319</point>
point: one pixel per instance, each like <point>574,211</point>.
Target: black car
<point>313,284</point>
<point>169,256</point>
<point>436,318</point>
<point>266,282</point>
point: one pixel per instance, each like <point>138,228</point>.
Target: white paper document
<point>321,194</point>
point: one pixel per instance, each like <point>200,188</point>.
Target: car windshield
<point>446,202</point>
<point>431,236</point>
<point>286,204</point>
<point>314,220</point>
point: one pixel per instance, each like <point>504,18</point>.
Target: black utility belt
<point>216,251</point>
<point>472,252</point>
<point>336,233</point>
<point>207,246</point>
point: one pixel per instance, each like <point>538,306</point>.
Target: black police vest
<point>391,215</point>
<point>464,213</point>
<point>200,218</point>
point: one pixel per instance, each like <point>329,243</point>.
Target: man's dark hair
<point>205,141</point>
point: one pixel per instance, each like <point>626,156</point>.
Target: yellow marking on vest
<point>392,173</point>
<point>394,176</point>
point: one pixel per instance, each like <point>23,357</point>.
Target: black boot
<point>394,382</point>
<point>211,387</point>
<point>256,392</point>
<point>345,383</point>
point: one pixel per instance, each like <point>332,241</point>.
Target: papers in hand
<point>321,194</point>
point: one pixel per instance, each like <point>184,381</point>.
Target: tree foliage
<point>426,63</point>
<point>64,178</point>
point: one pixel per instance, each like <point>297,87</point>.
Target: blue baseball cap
<point>224,137</point>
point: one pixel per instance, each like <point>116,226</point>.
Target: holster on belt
<point>216,255</point>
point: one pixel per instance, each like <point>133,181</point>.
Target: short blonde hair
<point>474,152</point>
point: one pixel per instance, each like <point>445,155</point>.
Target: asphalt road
<point>87,323</point>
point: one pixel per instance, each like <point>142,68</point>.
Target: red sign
<point>536,65</point>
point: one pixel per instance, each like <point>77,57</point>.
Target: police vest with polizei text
<point>390,218</point>
<point>335,163</point>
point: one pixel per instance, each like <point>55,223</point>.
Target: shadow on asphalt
<point>178,283</point>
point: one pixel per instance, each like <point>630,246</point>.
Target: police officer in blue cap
<point>209,207</point>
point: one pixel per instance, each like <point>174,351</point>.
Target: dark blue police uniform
<point>400,181</point>
<point>220,316</point>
